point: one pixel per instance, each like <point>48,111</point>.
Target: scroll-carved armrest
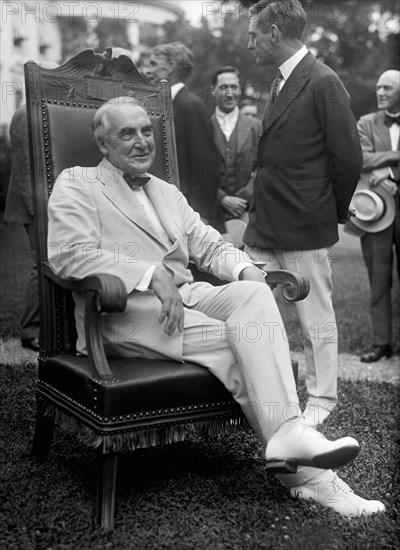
<point>295,285</point>
<point>104,293</point>
<point>111,295</point>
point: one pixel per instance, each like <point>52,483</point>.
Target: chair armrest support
<point>110,290</point>
<point>104,293</point>
<point>295,285</point>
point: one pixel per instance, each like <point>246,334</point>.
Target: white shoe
<point>330,491</point>
<point>301,445</point>
<point>316,411</point>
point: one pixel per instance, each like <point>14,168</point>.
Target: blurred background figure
<point>19,209</point>
<point>197,154</point>
<point>248,108</point>
<point>143,64</point>
<point>236,137</point>
<point>379,135</point>
<point>5,170</point>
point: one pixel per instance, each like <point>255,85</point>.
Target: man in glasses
<point>236,137</point>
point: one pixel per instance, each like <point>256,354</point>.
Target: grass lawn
<point>207,494</point>
<point>204,494</point>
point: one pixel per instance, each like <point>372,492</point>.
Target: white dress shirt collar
<point>117,175</point>
<point>394,132</point>
<point>175,88</point>
<point>227,121</point>
<point>290,64</point>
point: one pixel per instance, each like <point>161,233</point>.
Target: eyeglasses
<point>227,87</point>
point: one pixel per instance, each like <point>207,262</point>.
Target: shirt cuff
<point>239,268</point>
<point>144,282</point>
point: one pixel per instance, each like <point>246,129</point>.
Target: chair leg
<point>106,488</point>
<point>43,437</point>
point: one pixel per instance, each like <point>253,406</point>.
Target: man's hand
<point>351,213</point>
<point>172,306</point>
<point>377,176</point>
<point>235,206</point>
<point>252,273</point>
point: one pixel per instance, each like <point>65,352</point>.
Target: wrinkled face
<point>249,110</point>
<point>388,91</point>
<point>260,44</point>
<point>159,68</point>
<point>227,91</point>
<point>127,139</point>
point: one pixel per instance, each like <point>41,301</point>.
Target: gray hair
<point>97,122</point>
<point>288,15</point>
<point>180,55</point>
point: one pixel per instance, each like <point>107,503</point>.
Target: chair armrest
<point>110,290</point>
<point>295,285</point>
<point>107,293</point>
<point>104,293</point>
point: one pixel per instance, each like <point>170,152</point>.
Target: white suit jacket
<point>97,225</point>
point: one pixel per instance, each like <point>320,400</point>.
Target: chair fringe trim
<point>142,438</point>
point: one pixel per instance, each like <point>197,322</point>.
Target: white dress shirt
<point>227,121</point>
<point>394,131</point>
<point>149,209</point>
<point>290,64</point>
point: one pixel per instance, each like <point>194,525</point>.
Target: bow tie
<point>136,181</point>
<point>389,120</point>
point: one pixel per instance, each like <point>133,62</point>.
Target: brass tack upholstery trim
<point>142,438</point>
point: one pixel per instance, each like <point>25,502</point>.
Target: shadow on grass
<point>206,494</point>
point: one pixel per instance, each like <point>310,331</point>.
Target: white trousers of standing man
<point>316,316</point>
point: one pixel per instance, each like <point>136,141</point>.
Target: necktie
<point>275,85</point>
<point>389,120</point>
<point>135,182</point>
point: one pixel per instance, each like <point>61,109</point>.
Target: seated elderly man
<point>117,218</point>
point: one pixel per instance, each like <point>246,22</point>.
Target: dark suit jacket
<point>309,162</point>
<point>197,157</point>
<point>19,196</point>
<point>246,157</point>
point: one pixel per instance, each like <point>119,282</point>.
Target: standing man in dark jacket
<point>197,154</point>
<point>309,163</point>
<point>236,137</point>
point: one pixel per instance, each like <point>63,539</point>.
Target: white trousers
<point>316,314</point>
<point>237,332</point>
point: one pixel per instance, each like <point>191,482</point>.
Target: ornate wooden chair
<point>111,403</point>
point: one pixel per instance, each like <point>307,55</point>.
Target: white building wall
<point>29,30</point>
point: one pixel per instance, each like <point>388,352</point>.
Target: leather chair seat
<point>142,388</point>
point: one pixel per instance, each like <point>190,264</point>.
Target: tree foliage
<point>358,39</point>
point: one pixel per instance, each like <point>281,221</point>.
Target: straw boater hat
<point>374,207</point>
